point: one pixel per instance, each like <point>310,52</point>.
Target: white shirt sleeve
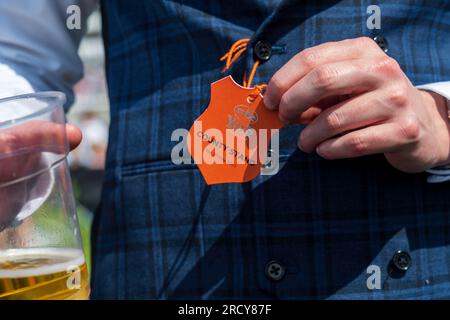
<point>12,84</point>
<point>441,174</point>
<point>442,88</point>
<point>38,52</point>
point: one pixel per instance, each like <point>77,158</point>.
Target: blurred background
<point>91,114</point>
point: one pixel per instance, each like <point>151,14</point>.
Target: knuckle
<point>357,145</point>
<point>388,66</point>
<point>398,97</point>
<point>366,43</point>
<point>334,121</point>
<point>410,128</point>
<point>309,57</point>
<point>324,77</point>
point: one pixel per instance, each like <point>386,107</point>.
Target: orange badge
<point>229,141</point>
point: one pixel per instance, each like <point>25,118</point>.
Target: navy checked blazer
<point>318,229</point>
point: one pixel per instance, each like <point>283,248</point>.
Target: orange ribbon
<point>236,50</point>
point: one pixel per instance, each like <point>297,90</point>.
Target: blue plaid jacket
<point>162,234</point>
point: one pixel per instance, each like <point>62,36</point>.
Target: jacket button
<point>275,271</point>
<point>402,260</point>
<point>382,43</point>
<point>262,51</point>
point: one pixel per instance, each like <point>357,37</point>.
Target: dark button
<point>262,51</point>
<point>401,260</point>
<point>275,271</point>
<point>382,43</point>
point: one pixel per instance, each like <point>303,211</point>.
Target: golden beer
<point>43,274</point>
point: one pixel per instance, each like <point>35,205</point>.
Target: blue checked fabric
<point>162,234</point>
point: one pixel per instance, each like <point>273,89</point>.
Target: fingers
<point>382,138</point>
<point>74,136</point>
<point>352,114</point>
<point>311,58</point>
<point>39,136</point>
<point>309,115</point>
<point>22,146</point>
<point>340,78</point>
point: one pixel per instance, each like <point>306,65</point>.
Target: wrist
<point>438,108</point>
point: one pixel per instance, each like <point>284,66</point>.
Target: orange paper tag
<point>229,141</point>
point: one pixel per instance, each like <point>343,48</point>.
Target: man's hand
<point>357,101</point>
<point>21,148</point>
<point>22,145</point>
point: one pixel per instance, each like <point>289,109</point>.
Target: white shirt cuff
<point>442,88</point>
<point>440,174</point>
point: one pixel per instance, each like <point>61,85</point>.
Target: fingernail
<point>299,145</point>
<point>269,103</point>
<point>285,121</point>
<point>319,150</point>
